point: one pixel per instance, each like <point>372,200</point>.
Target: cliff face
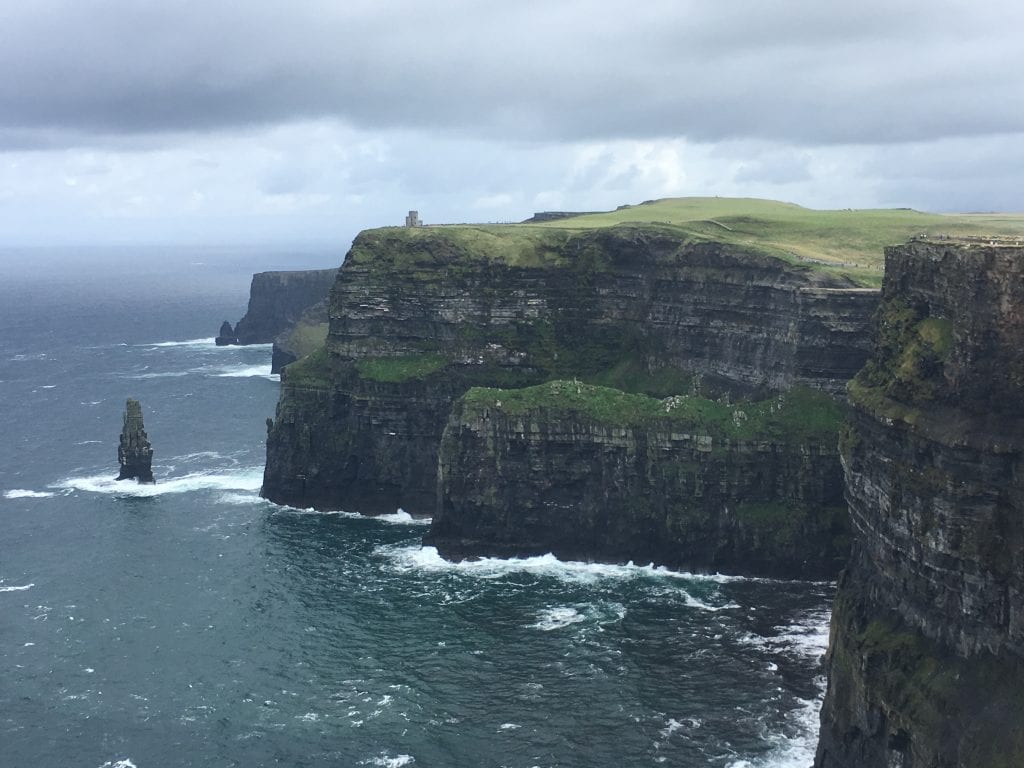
<point>417,317</point>
<point>593,473</point>
<point>277,301</point>
<point>926,660</point>
<point>743,320</point>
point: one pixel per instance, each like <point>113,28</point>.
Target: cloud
<point>194,121</point>
<point>561,70</point>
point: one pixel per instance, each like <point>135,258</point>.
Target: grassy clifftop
<point>851,238</point>
<point>848,242</point>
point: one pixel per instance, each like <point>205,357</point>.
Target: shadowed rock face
<point>926,659</point>
<point>277,301</point>
<point>417,317</point>
<point>226,336</point>
<point>555,476</point>
<point>134,453</point>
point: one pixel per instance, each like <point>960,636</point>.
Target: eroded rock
<point>134,454</point>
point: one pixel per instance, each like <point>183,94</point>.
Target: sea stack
<point>226,336</point>
<point>134,454</point>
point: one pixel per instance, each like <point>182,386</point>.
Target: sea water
<point>190,623</point>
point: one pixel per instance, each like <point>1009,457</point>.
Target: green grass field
<point>848,241</point>
<point>852,239</point>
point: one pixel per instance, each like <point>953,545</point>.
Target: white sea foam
<point>21,493</point>
<point>242,498</point>
<point>387,761</point>
<point>210,342</point>
<point>795,751</point>
<point>557,618</point>
<point>22,588</point>
<point>125,763</point>
<point>237,371</point>
<point>239,480</point>
<point>245,371</point>
<point>416,558</point>
<point>401,517</point>
<point>796,747</point>
<point>162,375</point>
<point>694,602</point>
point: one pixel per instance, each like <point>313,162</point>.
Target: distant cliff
<point>926,659</point>
<point>594,473</point>
<point>418,317</point>
<point>277,301</point>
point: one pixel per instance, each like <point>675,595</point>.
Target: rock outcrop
<point>134,453</point>
<point>277,301</point>
<point>926,659</point>
<point>419,316</point>
<point>226,336</point>
<point>593,473</point>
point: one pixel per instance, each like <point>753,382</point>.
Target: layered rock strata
<point>926,659</point>
<point>593,473</point>
<point>134,453</point>
<point>277,301</point>
<point>419,316</point>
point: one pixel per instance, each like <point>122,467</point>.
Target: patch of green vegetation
<point>429,248</point>
<point>910,351</point>
<point>848,243</point>
<point>306,338</point>
<point>851,240</point>
<point>398,369</point>
<point>949,704</point>
<point>798,414</point>
<point>313,371</point>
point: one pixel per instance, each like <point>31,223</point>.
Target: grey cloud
<point>797,71</point>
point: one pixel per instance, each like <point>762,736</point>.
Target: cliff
<point>277,301</point>
<point>418,316</point>
<point>594,473</point>
<point>306,336</point>
<point>926,659</point>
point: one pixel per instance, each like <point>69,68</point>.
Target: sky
<point>304,121</point>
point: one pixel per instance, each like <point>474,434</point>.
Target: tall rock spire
<point>134,454</point>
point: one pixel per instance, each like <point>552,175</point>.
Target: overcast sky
<point>304,121</point>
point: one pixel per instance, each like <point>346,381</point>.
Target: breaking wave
<point>21,493</point>
<point>244,480</point>
<point>413,558</point>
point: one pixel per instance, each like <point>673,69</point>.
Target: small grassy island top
<point>847,242</point>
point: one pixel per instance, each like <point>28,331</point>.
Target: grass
<point>306,338</point>
<point>907,367</point>
<point>846,242</point>
<point>798,414</point>
<point>398,369</point>
<point>852,239</point>
<point>312,371</point>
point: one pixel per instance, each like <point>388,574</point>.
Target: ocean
<point>190,623</point>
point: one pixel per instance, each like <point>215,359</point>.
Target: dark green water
<point>192,624</point>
